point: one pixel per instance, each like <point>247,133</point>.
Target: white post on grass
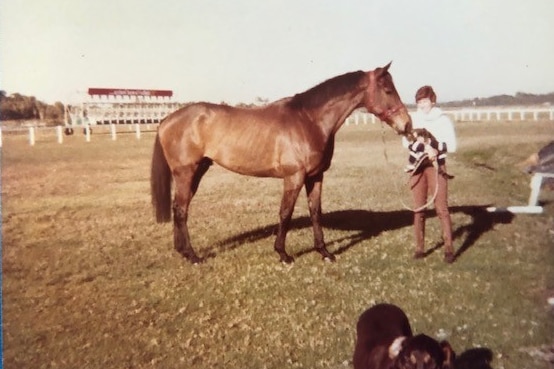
<point>87,133</point>
<point>137,130</point>
<point>113,132</point>
<point>59,134</point>
<point>32,136</point>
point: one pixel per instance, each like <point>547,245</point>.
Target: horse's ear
<point>396,347</point>
<point>381,71</point>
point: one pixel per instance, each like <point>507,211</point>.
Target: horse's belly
<point>260,159</point>
<point>257,166</point>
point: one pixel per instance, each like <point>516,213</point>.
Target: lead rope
<point>418,164</point>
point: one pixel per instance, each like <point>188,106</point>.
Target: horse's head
<point>383,101</point>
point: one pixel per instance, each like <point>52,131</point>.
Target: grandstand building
<point>121,106</point>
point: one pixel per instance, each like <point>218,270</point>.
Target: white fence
<point>357,117</point>
<point>59,132</point>
<point>470,114</point>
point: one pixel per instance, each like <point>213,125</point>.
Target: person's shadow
<point>365,224</point>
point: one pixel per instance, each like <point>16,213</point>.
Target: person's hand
<point>431,152</point>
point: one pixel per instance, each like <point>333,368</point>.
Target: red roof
<point>129,92</point>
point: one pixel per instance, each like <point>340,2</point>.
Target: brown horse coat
<point>292,138</point>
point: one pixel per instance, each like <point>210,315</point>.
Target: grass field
<point>91,281</point>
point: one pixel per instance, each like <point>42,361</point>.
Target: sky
<point>242,50</point>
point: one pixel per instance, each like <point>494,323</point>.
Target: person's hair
<point>426,92</point>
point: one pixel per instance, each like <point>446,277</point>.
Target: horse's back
<point>252,141</point>
<point>217,119</point>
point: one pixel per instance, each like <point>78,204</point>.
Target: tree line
<point>21,107</point>
<point>519,99</point>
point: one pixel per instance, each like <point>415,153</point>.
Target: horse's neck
<point>333,114</point>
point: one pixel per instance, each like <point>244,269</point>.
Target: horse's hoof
<point>195,260</point>
<point>327,256</point>
<point>330,258</point>
<point>287,259</point>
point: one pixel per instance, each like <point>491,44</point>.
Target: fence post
<point>137,130</point>
<point>32,136</point>
<point>87,133</point>
<point>59,134</point>
<point>113,132</point>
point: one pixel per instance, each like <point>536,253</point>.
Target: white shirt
<point>438,123</point>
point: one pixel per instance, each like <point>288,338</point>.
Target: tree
<point>20,107</point>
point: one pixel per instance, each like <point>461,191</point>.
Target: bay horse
<point>292,138</point>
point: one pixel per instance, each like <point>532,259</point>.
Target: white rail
<point>474,114</point>
<point>358,117</point>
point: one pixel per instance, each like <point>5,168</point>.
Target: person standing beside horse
<point>428,152</point>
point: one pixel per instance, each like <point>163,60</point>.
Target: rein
<point>432,199</point>
<point>418,164</point>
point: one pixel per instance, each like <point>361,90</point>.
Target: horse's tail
<point>160,183</point>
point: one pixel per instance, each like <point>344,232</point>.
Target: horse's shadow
<point>366,224</point>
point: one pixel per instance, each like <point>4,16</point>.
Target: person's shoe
<point>449,257</point>
<point>419,255</point>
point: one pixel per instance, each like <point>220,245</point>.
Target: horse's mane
<point>323,92</point>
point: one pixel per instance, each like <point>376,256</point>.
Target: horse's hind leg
<point>181,238</point>
<point>186,179</point>
<point>313,190</point>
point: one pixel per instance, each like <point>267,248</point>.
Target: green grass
<point>91,281</point>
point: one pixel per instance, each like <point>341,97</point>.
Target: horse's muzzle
<point>408,130</point>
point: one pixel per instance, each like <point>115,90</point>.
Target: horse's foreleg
<point>313,191</point>
<point>292,187</point>
<point>184,184</point>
